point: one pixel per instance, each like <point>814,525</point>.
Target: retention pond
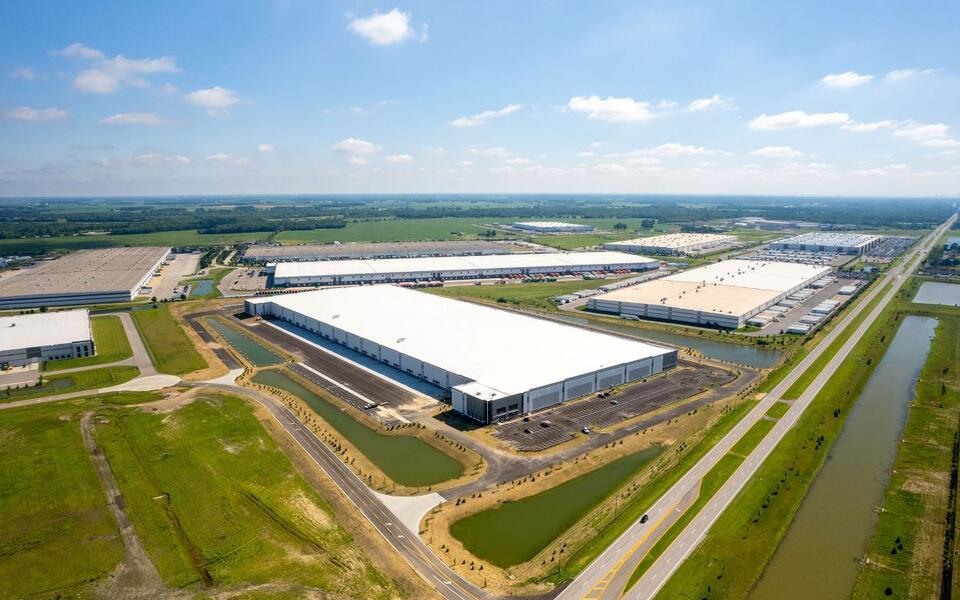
<point>405,459</point>
<point>252,350</point>
<point>741,354</point>
<point>818,556</point>
<point>937,292</point>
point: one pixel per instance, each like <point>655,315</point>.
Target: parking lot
<point>889,249</point>
<point>528,434</point>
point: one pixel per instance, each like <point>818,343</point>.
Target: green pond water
<point>516,531</point>
<point>255,352</point>
<point>818,557</point>
<point>938,292</point>
<point>405,459</point>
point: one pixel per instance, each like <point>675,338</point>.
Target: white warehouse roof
<point>454,263</point>
<point>673,241</point>
<point>500,351</point>
<point>44,329</point>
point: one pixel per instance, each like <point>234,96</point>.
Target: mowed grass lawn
<point>392,230</point>
<point>54,385</point>
<point>168,344</point>
<point>109,341</point>
<point>534,295</point>
<point>213,498</point>
<point>56,531</point>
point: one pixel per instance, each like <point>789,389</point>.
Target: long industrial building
<point>84,277</point>
<point>723,294</point>
<point>372,250</point>
<point>833,242</point>
<point>346,272</point>
<point>39,337</point>
<point>497,364</point>
<point>673,244</point>
<point>553,227</point>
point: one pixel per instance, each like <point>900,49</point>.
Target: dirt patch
<point>313,512</point>
<point>172,401</point>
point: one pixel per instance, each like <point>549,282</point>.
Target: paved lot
<point>798,312</point>
<point>181,266</point>
<point>686,381</point>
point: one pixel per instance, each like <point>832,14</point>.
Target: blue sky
<point>831,98</point>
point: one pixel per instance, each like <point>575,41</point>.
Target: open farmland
<point>188,237</point>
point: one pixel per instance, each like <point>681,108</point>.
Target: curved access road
<point>608,575</point>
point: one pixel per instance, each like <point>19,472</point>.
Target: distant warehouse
<point>834,242</point>
<point>553,227</point>
<point>371,250</point>
<point>673,244</point>
<point>723,294</point>
<point>346,272</point>
<point>84,277</point>
<point>497,364</point>
<point>39,337</point>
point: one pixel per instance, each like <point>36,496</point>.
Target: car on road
<point>614,402</point>
<point>545,423</point>
<point>585,430</point>
<point>644,518</point>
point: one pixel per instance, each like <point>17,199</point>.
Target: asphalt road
<point>623,555</point>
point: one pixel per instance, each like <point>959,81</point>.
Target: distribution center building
<point>723,294</point>
<point>835,242</point>
<point>496,364</point>
<point>372,250</point>
<point>39,337</point>
<point>346,272</point>
<point>84,277</point>
<point>553,227</point>
<point>673,243</point>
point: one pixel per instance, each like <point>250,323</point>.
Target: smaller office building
<point>832,242</point>
<point>39,337</point>
<point>552,227</point>
<point>673,244</point>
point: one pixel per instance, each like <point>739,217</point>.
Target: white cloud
<point>153,159</point>
<point>465,163</point>
<point>870,126</point>
<point>493,151</point>
<point>358,161</point>
<point>881,171</point>
<point>777,152</point>
<point>936,135</point>
<point>387,28</point>
<point>714,101</point>
<point>434,150</point>
<point>28,113</point>
<point>617,110</point>
<point>357,146</point>
<point>217,100</point>
<point>798,119</point>
<point>26,74</point>
<point>904,74</point>
<point>266,148</point>
<point>673,149</point>
<point>148,118</point>
<point>847,79</point>
<point>485,116</point>
<point>229,159</point>
<point>108,74</point>
<point>666,104</point>
<point>517,161</point>
<point>399,158</point>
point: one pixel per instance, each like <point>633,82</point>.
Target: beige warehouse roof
<point>726,299</point>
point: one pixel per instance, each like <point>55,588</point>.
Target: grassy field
<point>214,500</point>
<point>109,341</point>
<point>166,341</point>
<point>527,295</point>
<point>187,237</point>
<point>391,230</point>
<point>914,518</point>
<point>732,556</point>
<point>56,532</point>
<point>54,385</point>
<point>535,521</point>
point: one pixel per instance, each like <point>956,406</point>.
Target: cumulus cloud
<point>358,161</point>
<point>485,116</point>
<point>881,171</point>
<point>107,75</point>
<point>491,151</point>
<point>135,118</point>
<point>399,158</point>
<point>935,135</point>
<point>798,119</point>
<point>217,100</point>
<point>387,28</point>
<point>870,126</point>
<point>904,74</point>
<point>714,101</point>
<point>28,113</point>
<point>266,148</point>
<point>617,110</point>
<point>673,149</point>
<point>777,152</point>
<point>357,147</point>
<point>25,73</point>
<point>847,79</point>
<point>517,161</point>
<point>228,159</point>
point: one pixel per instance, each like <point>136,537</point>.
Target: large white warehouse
<point>553,227</point>
<point>835,242</point>
<point>346,272</point>
<point>673,243</point>
<point>39,337</point>
<point>496,364</point>
<point>723,294</point>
